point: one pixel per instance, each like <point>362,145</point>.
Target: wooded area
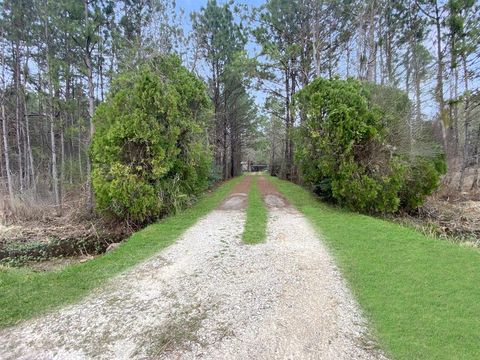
<point>59,59</point>
<point>429,49</point>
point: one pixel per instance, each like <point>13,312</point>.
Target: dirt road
<point>209,296</point>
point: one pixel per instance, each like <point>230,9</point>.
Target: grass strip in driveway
<point>25,293</point>
<point>420,294</point>
<point>257,217</point>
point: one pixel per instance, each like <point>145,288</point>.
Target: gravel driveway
<point>209,296</point>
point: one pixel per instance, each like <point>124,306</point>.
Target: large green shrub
<point>421,179</point>
<point>149,151</point>
<point>343,149</point>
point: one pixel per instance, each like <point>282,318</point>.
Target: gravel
<point>209,296</point>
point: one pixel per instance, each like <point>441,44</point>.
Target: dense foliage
<point>343,150</point>
<point>149,151</point>
<point>421,179</point>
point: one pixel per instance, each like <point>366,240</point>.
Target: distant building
<point>258,167</point>
<point>248,166</point>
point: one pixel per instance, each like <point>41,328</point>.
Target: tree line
<point>59,61</point>
<point>427,48</point>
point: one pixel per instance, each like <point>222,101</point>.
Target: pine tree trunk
<point>16,79</point>
<point>80,149</point>
<point>91,110</point>
<point>30,174</point>
<point>418,101</point>
<point>225,148</point>
<point>33,181</point>
<point>7,155</point>
<point>233,153</point>
<point>456,133</point>
<point>70,123</point>
<point>372,56</point>
<point>287,125</point>
<point>439,87</point>
<point>217,118</point>
<point>2,171</point>
<point>51,119</point>
<point>466,125</point>
<point>62,162</point>
<point>54,159</point>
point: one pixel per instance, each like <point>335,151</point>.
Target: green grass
<point>25,293</point>
<point>420,294</point>
<point>256,224</point>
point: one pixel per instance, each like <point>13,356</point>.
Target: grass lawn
<point>256,224</point>
<point>25,293</point>
<point>421,295</point>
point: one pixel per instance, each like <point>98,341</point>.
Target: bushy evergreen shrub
<point>149,151</point>
<point>421,179</point>
<point>343,152</point>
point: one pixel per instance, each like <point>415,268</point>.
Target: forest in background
<point>59,59</point>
